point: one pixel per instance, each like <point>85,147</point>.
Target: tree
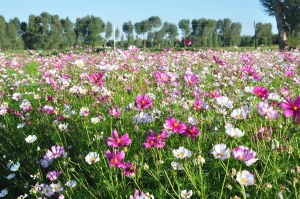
<point>235,34</point>
<point>287,14</point>
<point>69,37</point>
<point>108,30</point>
<point>263,33</point>
<point>128,30</point>
<point>184,26</point>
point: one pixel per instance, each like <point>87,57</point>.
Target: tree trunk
<point>280,24</point>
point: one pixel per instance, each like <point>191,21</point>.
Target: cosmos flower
<point>96,77</point>
<point>84,111</point>
<point>187,42</point>
<point>186,194</point>
<point>224,101</point>
<point>192,131</point>
<point>244,154</point>
<point>245,178</point>
<point>129,169</point>
<point>181,153</point>
<point>220,151</point>
<point>30,138</point>
<point>176,165</point>
<point>92,157</point>
<point>238,114</point>
<point>199,105</point>
<point>156,140</point>
<point>115,159</point>
<point>292,108</point>
<point>143,101</point>
<point>174,125</point>
<point>261,92</point>
<point>55,152</point>
<point>53,175</point>
<point>191,79</point>
<point>117,141</point>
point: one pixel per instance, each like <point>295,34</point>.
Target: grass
<point>276,171</point>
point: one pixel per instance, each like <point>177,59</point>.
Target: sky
<point>119,11</point>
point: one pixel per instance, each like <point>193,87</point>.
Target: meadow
<point>137,124</point>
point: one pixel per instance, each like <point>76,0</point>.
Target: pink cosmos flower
<point>117,141</point>
<point>156,140</point>
<point>55,152</point>
<point>284,91</point>
<point>292,108</point>
<point>115,112</point>
<point>261,92</point>
<point>175,125</point>
<point>96,78</point>
<point>191,79</point>
<point>199,105</point>
<point>187,42</point>
<point>129,169</point>
<point>53,175</point>
<point>289,74</point>
<point>143,101</point>
<point>115,159</point>
<point>213,94</point>
<point>192,131</point>
<point>218,61</point>
<point>244,154</point>
<point>264,109</point>
<point>161,77</point>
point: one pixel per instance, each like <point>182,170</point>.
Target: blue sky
<point>119,11</point>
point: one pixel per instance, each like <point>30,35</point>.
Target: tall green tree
<point>263,32</point>
<point>108,30</point>
<point>128,30</point>
<point>184,25</point>
<point>287,14</point>
<point>235,34</point>
<point>69,37</point>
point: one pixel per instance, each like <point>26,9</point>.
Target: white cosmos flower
<point>17,96</point>
<point>79,62</point>
<point>11,176</point>
<point>186,194</point>
<point>63,126</point>
<point>224,101</point>
<point>92,157</point>
<point>176,165</point>
<point>181,153</point>
<point>31,138</point>
<point>13,166</point>
<point>245,178</point>
<point>249,89</point>
<point>220,151</point>
<point>3,193</point>
<point>71,183</point>
<point>238,114</point>
<point>234,132</point>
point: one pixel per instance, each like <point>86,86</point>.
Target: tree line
<point>46,31</point>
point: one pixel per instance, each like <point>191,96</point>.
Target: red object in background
<point>187,42</point>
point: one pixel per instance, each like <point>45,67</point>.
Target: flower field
<point>137,124</point>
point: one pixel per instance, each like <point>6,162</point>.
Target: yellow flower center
<point>295,108</point>
<point>115,160</point>
<point>175,124</point>
<point>158,135</point>
<point>220,154</point>
<point>241,157</point>
<point>190,81</point>
<point>180,154</point>
<point>151,142</point>
<point>118,140</point>
<point>143,102</point>
<point>93,159</point>
<point>244,180</point>
<point>199,107</point>
<point>164,79</point>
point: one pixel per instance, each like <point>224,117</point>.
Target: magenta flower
<point>129,169</point>
<point>264,109</point>
<point>143,101</point>
<point>191,79</point>
<point>156,140</point>
<point>187,42</point>
<point>199,105</point>
<point>174,125</point>
<point>218,61</point>
<point>291,108</point>
<point>96,78</point>
<point>53,175</point>
<point>261,92</point>
<point>117,141</point>
<point>192,131</point>
<point>55,152</point>
<point>213,94</point>
<point>289,74</point>
<point>115,159</point>
<point>161,77</point>
<point>244,154</point>
<point>115,112</point>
